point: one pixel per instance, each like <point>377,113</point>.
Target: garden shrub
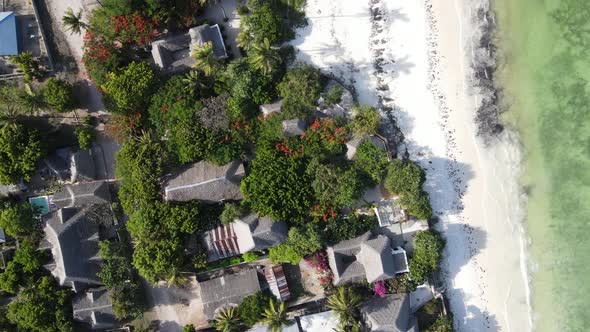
<point>334,95</point>
<point>284,253</point>
<point>348,227</point>
<point>371,161</point>
<point>85,136</point>
<point>59,95</point>
<point>428,246</point>
<point>365,121</point>
<point>250,257</point>
<point>251,309</point>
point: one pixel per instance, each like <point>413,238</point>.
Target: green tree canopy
<point>17,219</point>
<point>159,231</point>
<point>59,94</point>
<point>141,163</point>
<point>228,320</point>
<point>252,307</point>
<point>265,22</point>
<point>405,177</point>
<point>365,121</point>
<point>371,161</point>
<point>130,88</point>
<point>346,304</point>
<point>206,60</point>
<point>20,150</point>
<point>275,316</point>
<point>334,185</point>
<point>300,90</point>
<point>305,240</point>
<point>278,186</point>
<point>348,227</point>
<point>428,246</point>
<point>41,307</point>
<point>284,253</point>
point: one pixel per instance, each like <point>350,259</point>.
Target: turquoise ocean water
<point>544,69</point>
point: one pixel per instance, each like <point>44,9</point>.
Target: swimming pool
<point>40,204</point>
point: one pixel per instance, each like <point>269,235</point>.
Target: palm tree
<point>30,101</point>
<point>346,304</point>
<point>275,317</point>
<point>265,57</point>
<point>245,39</point>
<point>206,59</point>
<point>195,83</point>
<point>228,320</point>
<point>73,21</point>
<point>177,278</point>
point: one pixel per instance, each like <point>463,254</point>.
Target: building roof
<point>82,194</point>
<point>268,109</point>
<point>173,53</point>
<point>207,182</point>
<point>246,233</point>
<point>320,322</point>
<point>74,241</point>
<point>83,166</point>
<point>365,257</point>
<point>94,307</point>
<point>295,127</point>
<point>277,282</point>
<point>59,164</point>
<point>258,233</point>
<point>390,212</point>
<point>9,44</point>
<point>208,33</point>
<point>390,313</point>
<point>221,242</point>
<point>227,290</point>
<point>354,143</point>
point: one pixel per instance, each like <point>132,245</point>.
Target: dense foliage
<point>141,162</point>
<point>85,136</point>
<point>41,307</point>
<point>23,268</point>
<point>59,95</point>
<point>300,90</point>
<point>252,307</point>
<point>428,246</point>
<point>230,212</point>
<point>305,240</point>
<point>129,88</point>
<point>405,177</point>
<point>278,186</point>
<point>159,231</point>
<point>365,121</point>
<point>371,161</point>
<point>20,150</point>
<point>17,219</point>
<point>284,253</point>
<point>348,227</point>
<point>266,22</point>
<point>117,275</point>
<point>28,65</point>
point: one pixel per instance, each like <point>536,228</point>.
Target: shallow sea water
<point>544,68</point>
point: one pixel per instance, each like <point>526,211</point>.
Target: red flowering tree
<point>100,56</point>
<point>325,138</point>
<point>319,262</point>
<point>134,29</point>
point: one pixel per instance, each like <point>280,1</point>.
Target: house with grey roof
<point>247,233</point>
<point>390,313</point>
<point>368,256</point>
<point>94,307</point>
<point>227,290</point>
<point>206,181</point>
<point>268,109</point>
<point>83,166</point>
<point>173,54</point>
<point>74,245</point>
<point>294,127</point>
<point>82,194</point>
<point>353,144</point>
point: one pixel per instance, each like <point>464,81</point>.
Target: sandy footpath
<point>411,59</point>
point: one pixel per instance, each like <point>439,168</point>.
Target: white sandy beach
<point>412,59</point>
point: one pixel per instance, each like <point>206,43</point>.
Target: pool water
<point>40,205</point>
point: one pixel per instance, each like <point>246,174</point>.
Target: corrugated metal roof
<point>9,45</point>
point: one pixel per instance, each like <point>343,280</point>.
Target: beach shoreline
<point>413,60</point>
